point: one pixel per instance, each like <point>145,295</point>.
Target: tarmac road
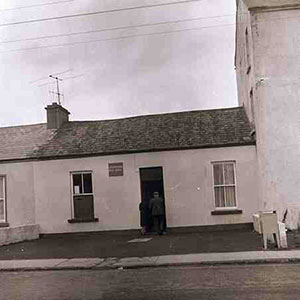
<point>270,281</point>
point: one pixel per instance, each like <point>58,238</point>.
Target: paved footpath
<point>112,251</point>
<point>252,257</point>
<point>132,244</point>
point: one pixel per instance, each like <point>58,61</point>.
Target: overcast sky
<point>143,73</point>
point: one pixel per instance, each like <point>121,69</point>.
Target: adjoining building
<point>77,176</point>
<point>268,70</point>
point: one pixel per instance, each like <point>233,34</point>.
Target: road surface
<point>193,282</point>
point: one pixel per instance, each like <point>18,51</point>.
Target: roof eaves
<point>133,151</point>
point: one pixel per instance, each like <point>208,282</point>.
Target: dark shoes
<point>162,233</point>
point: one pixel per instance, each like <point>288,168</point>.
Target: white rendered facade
<point>268,71</point>
<point>44,189</point>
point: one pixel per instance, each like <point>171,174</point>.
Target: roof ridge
<point>161,114</point>
<point>18,126</point>
<point>134,117</point>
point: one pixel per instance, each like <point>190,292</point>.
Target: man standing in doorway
<point>157,210</point>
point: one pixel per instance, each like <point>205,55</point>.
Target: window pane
<point>219,197</point>
<point>1,187</point>
<point>87,183</point>
<point>230,196</point>
<point>83,207</point>
<point>229,173</point>
<point>77,184</point>
<point>218,174</point>
<point>2,210</point>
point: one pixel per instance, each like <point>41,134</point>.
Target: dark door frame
<point>152,182</point>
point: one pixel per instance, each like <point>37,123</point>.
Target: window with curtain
<point>224,184</point>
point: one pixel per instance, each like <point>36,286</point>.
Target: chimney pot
<point>56,116</point>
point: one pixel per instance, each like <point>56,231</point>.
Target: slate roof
<point>160,132</point>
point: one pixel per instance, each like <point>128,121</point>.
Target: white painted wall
<point>20,193</point>
<point>276,69</point>
<point>116,199</point>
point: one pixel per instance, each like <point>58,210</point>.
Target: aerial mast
<point>57,88</point>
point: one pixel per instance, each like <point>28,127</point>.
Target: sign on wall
<point>115,169</point>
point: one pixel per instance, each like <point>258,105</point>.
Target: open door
<point>151,181</point>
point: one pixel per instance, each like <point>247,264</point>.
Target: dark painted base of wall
<point>187,229</point>
<point>212,228</point>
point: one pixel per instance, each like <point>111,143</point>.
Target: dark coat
<point>157,206</point>
<point>144,214</point>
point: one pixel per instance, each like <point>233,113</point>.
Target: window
<point>248,66</point>
<point>224,184</point>
<point>82,197</point>
<point>2,199</point>
<point>82,183</point>
<point>252,105</point>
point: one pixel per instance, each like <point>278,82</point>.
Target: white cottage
<point>78,176</point>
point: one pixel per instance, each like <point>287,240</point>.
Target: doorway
<point>151,181</point>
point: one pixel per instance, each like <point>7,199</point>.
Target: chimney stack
<point>56,116</point>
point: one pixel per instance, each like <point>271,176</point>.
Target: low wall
<point>9,235</point>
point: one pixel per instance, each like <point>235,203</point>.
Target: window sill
<point>4,224</point>
<point>227,212</point>
<point>71,221</point>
